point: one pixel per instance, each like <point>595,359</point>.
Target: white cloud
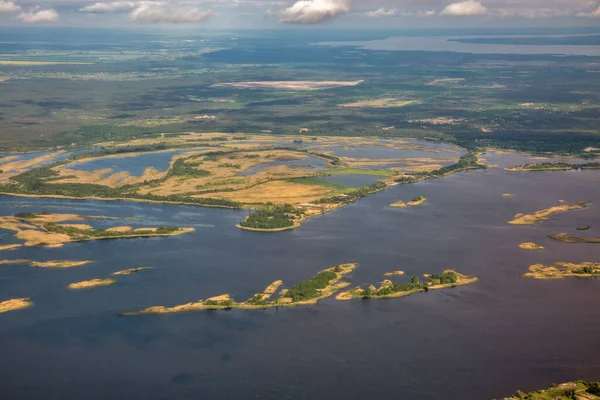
<point>36,15</point>
<point>311,11</point>
<point>106,7</point>
<point>466,8</point>
<point>153,13</point>
<point>592,14</point>
<point>9,7</point>
<point>382,12</point>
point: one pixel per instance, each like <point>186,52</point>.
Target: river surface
<point>480,341</point>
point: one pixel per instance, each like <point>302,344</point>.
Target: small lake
<point>306,164</point>
<point>134,164</point>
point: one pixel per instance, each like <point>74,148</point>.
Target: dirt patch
<point>289,85</point>
<point>58,264</point>
<point>92,283</point>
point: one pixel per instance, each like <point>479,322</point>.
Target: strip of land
<point>131,271</point>
<point>48,230</point>
<point>388,289</point>
<point>558,166</point>
<point>543,215</point>
<point>560,270</point>
<point>325,284</point>
<point>92,283</point>
<point>414,202</point>
<point>567,238</point>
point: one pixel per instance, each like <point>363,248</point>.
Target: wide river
<point>480,341</point>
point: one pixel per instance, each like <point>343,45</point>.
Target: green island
<point>558,166</point>
<point>543,215</point>
<point>578,390</point>
<point>567,238</point>
<point>560,270</point>
<point>15,304</point>
<point>309,292</point>
<point>388,289</point>
<point>51,230</point>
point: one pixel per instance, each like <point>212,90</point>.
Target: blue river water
<point>480,341</point>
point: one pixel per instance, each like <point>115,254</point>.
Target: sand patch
<point>8,262</point>
<point>58,264</point>
<point>120,229</point>
<point>85,227</point>
<point>387,102</point>
<point>531,246</point>
<point>92,283</point>
<point>15,304</point>
<point>394,273</point>
<point>9,246</point>
<point>289,85</point>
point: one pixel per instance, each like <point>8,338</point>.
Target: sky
<point>249,14</point>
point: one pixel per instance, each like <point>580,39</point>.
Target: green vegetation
<point>565,391</point>
<point>309,289</point>
<point>272,217</point>
<point>34,182</point>
<point>353,195</point>
<point>84,234</point>
<point>558,166</point>
<point>187,169</point>
<point>466,162</point>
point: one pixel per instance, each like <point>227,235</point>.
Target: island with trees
<point>560,270</point>
<point>388,289</point>
<point>323,285</point>
<point>414,202</point>
<point>557,166</point>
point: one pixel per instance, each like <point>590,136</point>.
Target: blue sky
<point>285,13</point>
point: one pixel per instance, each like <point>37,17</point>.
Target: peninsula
<point>561,270</point>
<point>543,215</point>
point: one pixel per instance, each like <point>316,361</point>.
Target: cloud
<point>36,15</point>
<point>466,8</point>
<point>107,7</point>
<point>9,7</point>
<point>382,12</point>
<point>311,11</point>
<point>592,14</point>
<point>155,14</point>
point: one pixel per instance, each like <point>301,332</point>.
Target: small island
<point>92,283</point>
<point>131,271</point>
<point>50,230</point>
<point>58,264</point>
<point>531,246</point>
<point>581,390</point>
<point>9,246</point>
<point>508,195</point>
<point>325,284</point>
<point>15,304</point>
<point>562,270</point>
<point>414,202</point>
<point>543,215</point>
<point>274,218</point>
<point>394,273</point>
<point>566,238</point>
<point>388,289</point>
<point>583,228</point>
<point>557,166</point>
